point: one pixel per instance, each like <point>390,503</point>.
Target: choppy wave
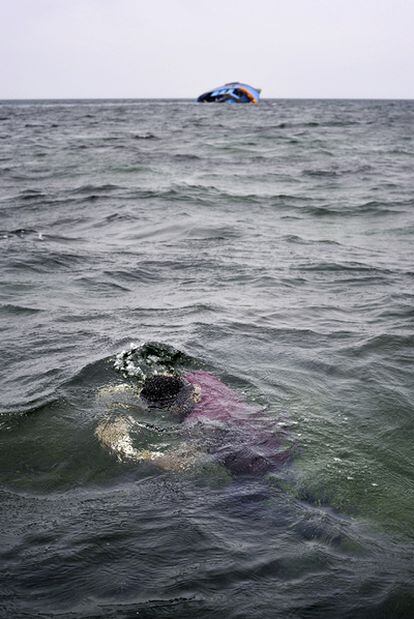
<point>273,245</point>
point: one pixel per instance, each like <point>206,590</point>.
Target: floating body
<point>215,425</point>
<point>233,92</point>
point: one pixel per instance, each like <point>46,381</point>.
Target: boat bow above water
<point>233,92</point>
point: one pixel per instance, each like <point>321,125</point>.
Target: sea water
<point>273,245</point>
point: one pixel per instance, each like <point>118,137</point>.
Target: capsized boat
<point>233,92</point>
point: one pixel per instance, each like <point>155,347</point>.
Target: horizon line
<point>195,99</point>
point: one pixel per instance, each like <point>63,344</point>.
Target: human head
<point>160,390</point>
<point>168,392</point>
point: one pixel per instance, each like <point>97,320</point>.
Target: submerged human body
<point>247,439</point>
<point>212,422</point>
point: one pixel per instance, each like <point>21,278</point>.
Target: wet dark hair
<point>161,390</point>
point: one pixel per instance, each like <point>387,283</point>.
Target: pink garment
<point>247,442</point>
<point>218,402</point>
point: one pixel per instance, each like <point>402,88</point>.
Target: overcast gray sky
<point>180,48</point>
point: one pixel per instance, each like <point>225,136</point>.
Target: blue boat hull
<point>233,92</point>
